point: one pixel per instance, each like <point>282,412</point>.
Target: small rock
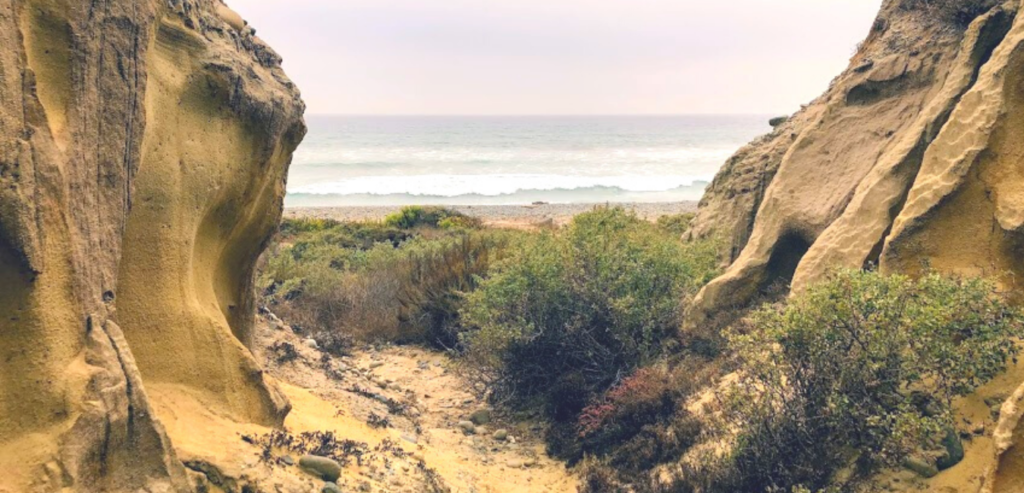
<point>310,343</point>
<point>979,429</point>
<point>775,122</point>
<point>501,435</point>
<point>922,467</point>
<point>514,463</point>
<point>481,417</point>
<point>322,467</point>
<point>376,364</point>
<point>330,488</point>
<point>364,486</point>
<point>467,427</point>
<point>288,460</point>
<point>409,438</point>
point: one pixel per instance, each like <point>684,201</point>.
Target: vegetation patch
<point>320,443</point>
<point>569,314</point>
<point>398,281</point>
<point>860,371</point>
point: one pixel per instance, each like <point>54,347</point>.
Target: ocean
<point>398,160</point>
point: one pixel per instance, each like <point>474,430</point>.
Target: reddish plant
<point>643,391</point>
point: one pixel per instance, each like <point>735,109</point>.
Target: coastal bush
<point>642,421</point>
<point>861,369</point>
<point>433,217</point>
<point>370,282</point>
<point>676,224</point>
<point>569,313</point>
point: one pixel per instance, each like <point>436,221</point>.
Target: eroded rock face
<point>908,160</point>
<point>142,165</point>
<point>913,160</point>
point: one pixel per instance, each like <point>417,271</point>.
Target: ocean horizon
<point>360,160</point>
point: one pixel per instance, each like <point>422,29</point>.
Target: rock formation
<point>142,167</point>
<point>906,161</point>
<point>912,160</point>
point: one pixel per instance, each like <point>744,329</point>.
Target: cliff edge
<point>143,158</point>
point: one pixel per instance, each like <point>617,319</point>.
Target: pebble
<point>322,467</point>
<point>481,417</point>
<point>514,463</point>
<point>922,467</point>
<point>330,488</point>
<point>310,343</point>
<point>288,460</point>
<point>501,435</point>
<point>467,427</point>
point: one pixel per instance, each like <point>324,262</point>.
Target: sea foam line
<point>492,185</point>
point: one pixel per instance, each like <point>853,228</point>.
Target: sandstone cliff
<point>911,160</point>
<point>143,152</point>
<point>851,179</point>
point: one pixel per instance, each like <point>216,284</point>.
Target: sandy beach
<point>495,215</point>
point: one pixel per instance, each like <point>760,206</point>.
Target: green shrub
<point>434,217</point>
<point>307,225</point>
<point>860,369</point>
<point>569,312</point>
<point>368,282</point>
<point>676,224</point>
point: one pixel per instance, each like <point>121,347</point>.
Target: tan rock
<point>844,193</point>
<point>142,161</point>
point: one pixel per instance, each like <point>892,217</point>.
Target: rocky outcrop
<point>911,161</point>
<point>907,161</point>
<point>142,166</point>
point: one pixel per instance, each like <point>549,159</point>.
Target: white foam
<point>492,185</point>
<point>335,155</point>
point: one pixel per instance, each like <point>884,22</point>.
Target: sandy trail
<point>421,449</point>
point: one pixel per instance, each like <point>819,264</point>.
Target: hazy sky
<point>560,56</point>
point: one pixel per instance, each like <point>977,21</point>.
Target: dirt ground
<point>405,412</point>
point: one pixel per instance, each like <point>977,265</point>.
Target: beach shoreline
<point>516,216</point>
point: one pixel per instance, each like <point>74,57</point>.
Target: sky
<point>560,57</point>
